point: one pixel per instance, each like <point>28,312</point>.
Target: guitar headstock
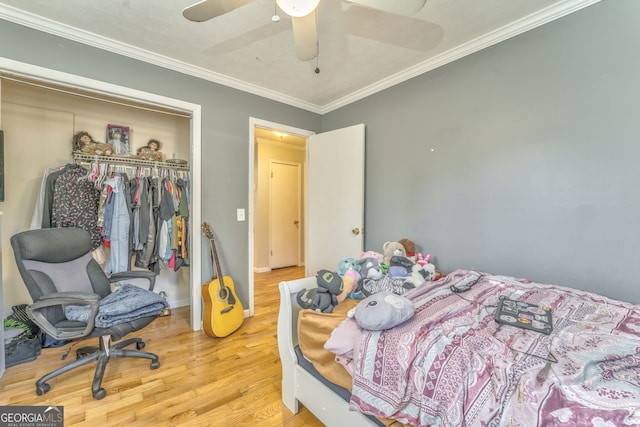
<point>206,230</point>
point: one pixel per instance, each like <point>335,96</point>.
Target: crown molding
<point>537,19</point>
<point>48,26</point>
<point>520,26</point>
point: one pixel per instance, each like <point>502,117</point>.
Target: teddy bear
<point>409,247</point>
<point>392,248</point>
<point>324,298</point>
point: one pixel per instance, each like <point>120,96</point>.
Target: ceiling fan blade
<point>305,35</point>
<point>208,9</point>
<point>399,7</point>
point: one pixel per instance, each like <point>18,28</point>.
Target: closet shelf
<point>129,161</point>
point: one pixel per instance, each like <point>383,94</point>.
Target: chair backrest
<point>58,260</point>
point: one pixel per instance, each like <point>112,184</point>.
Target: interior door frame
<point>265,124</point>
<point>126,93</point>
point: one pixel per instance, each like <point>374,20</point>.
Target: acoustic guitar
<point>223,312</point>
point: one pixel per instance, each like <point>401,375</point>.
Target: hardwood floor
<point>202,381</point>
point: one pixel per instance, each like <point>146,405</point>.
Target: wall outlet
<point>240,214</point>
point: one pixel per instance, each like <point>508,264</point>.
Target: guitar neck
<point>214,253</point>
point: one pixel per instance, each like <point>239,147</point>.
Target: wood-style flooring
<point>202,381</point>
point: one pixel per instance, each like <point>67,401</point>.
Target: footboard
<point>298,385</point>
<point>288,336</point>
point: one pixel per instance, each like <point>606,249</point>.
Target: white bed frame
<point>298,385</point>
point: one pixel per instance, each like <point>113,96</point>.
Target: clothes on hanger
<point>71,201</point>
<point>116,227</point>
<point>145,218</point>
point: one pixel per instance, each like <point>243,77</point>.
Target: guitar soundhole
<point>223,293</point>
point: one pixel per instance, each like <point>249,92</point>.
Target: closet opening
<point>42,109</point>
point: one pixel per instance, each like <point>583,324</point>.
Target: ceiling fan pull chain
<point>317,70</point>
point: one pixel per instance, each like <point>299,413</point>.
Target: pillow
<point>383,310</point>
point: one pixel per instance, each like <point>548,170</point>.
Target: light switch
<point>240,214</point>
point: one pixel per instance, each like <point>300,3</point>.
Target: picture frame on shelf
<point>118,138</point>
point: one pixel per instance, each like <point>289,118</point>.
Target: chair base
<point>101,354</point>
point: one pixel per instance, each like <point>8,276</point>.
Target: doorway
<point>344,222</point>
<point>281,148</point>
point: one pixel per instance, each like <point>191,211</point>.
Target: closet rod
<point>4,76</point>
<point>127,161</point>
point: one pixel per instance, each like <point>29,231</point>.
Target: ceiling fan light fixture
<point>298,8</point>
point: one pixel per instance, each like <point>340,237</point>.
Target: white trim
<point>534,20</point>
<point>520,26</point>
<point>39,23</point>
<point>95,86</point>
<point>253,123</point>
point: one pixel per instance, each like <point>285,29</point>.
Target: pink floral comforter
<point>452,365</point>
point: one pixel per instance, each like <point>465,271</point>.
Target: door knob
<point>355,231</point>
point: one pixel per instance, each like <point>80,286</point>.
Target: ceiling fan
<point>303,15</point>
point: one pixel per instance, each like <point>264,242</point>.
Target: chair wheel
<point>155,364</point>
<point>140,345</point>
<point>100,394</point>
<point>42,389</point>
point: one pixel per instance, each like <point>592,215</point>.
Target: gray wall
<point>521,159</point>
<point>534,169</point>
<point>225,128</point>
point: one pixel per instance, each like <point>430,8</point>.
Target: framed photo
<point>118,138</point>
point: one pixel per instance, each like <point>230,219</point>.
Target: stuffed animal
<point>409,247</point>
<point>346,264</point>
<point>325,297</point>
<point>400,266</point>
<point>98,149</point>
<point>373,254</point>
<point>392,248</point>
<point>83,142</point>
<point>422,260</point>
<point>421,274</point>
<point>351,285</point>
<point>370,268</point>
<point>382,311</point>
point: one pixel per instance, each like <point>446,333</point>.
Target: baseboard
<point>261,269</point>
<point>179,303</point>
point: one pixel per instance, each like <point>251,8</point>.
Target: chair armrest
<point>61,299</point>
<point>135,274</point>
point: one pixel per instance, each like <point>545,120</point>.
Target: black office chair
<point>58,269</point>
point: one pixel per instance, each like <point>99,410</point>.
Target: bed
<point>453,364</point>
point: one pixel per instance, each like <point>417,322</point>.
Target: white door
<point>284,214</point>
<point>335,197</point>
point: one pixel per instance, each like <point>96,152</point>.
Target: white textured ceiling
<point>361,50</point>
